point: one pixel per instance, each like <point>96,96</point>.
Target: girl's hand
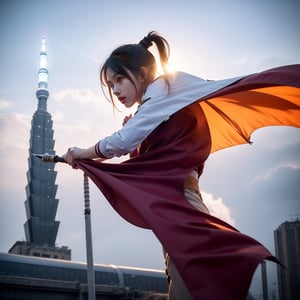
<point>125,120</point>
<point>73,154</point>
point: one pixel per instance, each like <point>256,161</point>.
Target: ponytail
<point>162,47</point>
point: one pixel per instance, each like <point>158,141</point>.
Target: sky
<point>255,188</point>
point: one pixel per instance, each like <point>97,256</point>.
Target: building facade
<point>31,278</point>
<point>287,248</point>
<point>29,249</point>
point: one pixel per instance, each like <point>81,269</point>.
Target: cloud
<point>4,104</point>
<point>279,185</point>
<point>82,126</point>
<point>57,116</point>
<point>270,199</point>
<point>218,209</point>
<point>14,128</point>
<point>84,96</point>
<point>14,140</point>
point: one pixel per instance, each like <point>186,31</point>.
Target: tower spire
<point>41,203</point>
<point>42,92</point>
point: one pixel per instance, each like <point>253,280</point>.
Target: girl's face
<point>122,87</point>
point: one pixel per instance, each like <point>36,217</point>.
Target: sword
<point>88,228</point>
<point>46,157</point>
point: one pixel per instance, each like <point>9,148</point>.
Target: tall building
<point>41,203</point>
<point>287,247</point>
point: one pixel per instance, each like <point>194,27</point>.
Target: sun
<point>172,67</point>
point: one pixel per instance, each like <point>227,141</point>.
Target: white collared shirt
<point>158,106</point>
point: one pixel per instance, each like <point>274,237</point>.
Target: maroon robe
<point>215,260</point>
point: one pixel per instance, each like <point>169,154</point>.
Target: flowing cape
<point>215,259</point>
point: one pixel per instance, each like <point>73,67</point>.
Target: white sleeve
<point>136,129</point>
<point>158,106</point>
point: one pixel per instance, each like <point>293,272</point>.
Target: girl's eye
<point>119,79</point>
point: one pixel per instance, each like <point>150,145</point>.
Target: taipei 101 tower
<point>41,204</point>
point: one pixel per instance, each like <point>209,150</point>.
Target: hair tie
<point>146,42</point>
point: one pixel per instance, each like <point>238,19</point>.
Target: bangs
<point>113,63</point>
<point>118,65</point>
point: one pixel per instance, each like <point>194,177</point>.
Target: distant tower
<point>41,205</point>
<point>287,247</point>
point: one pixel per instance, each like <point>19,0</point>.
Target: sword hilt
<point>49,158</point>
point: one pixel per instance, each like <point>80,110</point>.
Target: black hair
<point>128,59</point>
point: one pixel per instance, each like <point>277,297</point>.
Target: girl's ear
<point>144,74</point>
